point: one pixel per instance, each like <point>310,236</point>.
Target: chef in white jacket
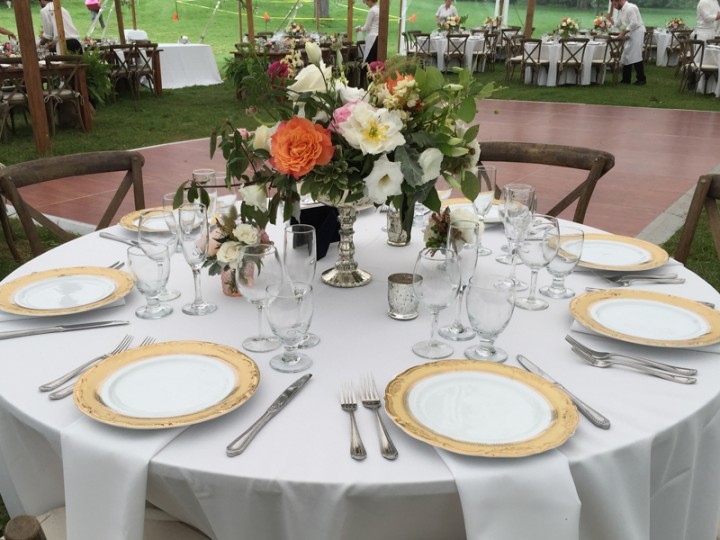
<point>708,13</point>
<point>633,30</point>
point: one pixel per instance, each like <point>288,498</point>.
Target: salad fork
<point>371,400</point>
<point>602,355</point>
<point>348,403</point>
<point>68,390</point>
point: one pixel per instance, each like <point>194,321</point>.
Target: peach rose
<point>298,145</point>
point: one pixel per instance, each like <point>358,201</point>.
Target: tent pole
<point>350,21</point>
<point>240,25</point>
<point>132,8</point>
<point>60,37</point>
<point>251,26</point>
<point>382,38</point>
<point>121,26</point>
<point>317,16</point>
<point>529,19</point>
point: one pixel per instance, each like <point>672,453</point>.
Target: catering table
<point>654,475</point>
<point>188,65</point>
<point>550,51</point>
<point>438,45</point>
<point>662,38</point>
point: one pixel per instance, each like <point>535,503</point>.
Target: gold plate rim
<point>580,310</point>
<point>565,415</point>
<point>658,256</point>
<point>464,200</point>
<point>127,222</point>
<point>124,283</point>
<point>87,397</point>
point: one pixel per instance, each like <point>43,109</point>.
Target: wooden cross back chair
<point>649,48</point>
<point>532,58</point>
<point>707,195</point>
<point>513,55</point>
<point>117,56</point>
<point>572,56</point>
<point>144,67</point>
<point>422,50</point>
<point>456,46</point>
<point>675,46</point>
<point>15,177</point>
<point>596,162</point>
<point>611,59</point>
<point>13,91</point>
<point>694,53</point>
<point>61,87</point>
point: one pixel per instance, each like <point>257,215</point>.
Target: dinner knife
<point>239,445</point>
<point>591,414</point>
<point>60,328</point>
<point>110,236</point>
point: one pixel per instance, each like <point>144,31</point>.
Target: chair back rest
<point>12,79</point>
<point>15,177</point>
<point>615,47</point>
<point>514,45</point>
<point>596,162</point>
<point>145,55</point>
<point>507,33</point>
<point>678,36</point>
<point>572,50</point>
<point>456,45</point>
<point>410,43</point>
<point>62,71</point>
<point>423,43</point>
<point>531,52</point>
<point>713,41</point>
<point>692,53</point>
<point>707,195</point>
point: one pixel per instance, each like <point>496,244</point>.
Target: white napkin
<point>105,470</point>
<point>514,499</point>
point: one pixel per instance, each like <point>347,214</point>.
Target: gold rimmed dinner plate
<point>64,291</point>
<point>620,253</point>
<point>647,318</point>
<point>132,220</point>
<point>167,385</point>
<point>493,215</point>
<point>480,408</point>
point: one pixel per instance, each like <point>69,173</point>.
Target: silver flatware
<point>60,328</point>
<point>348,404</point>
<point>627,282</point>
<point>110,236</point>
<point>708,304</point>
<point>371,400</point>
<point>117,265</point>
<point>591,414</point>
<point>239,445</point>
<point>606,355</point>
<point>57,383</point>
<point>625,277</point>
<point>596,362</point>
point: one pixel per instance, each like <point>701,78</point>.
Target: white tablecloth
<point>188,65</point>
<point>438,45</point>
<point>712,58</point>
<point>595,50</point>
<point>662,40</point>
<point>654,475</point>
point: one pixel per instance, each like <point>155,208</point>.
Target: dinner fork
<point>117,265</point>
<point>371,400</point>
<point>603,355</point>
<point>348,403</point>
<point>56,383</point>
<point>628,281</point>
<point>625,277</point>
<point>68,390</point>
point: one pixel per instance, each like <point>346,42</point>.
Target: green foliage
<point>98,78</point>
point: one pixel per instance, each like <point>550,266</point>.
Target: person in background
<point>708,13</point>
<point>633,30</point>
<point>49,28</point>
<point>6,32</point>
<point>444,11</point>
<point>94,9</point>
<point>371,29</point>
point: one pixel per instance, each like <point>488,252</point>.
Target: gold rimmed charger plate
<point>122,284</point>
<point>679,309</point>
<point>460,201</point>
<point>656,256</point>
<point>130,221</point>
<point>559,424</point>
<point>90,387</point>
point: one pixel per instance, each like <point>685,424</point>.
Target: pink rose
<point>376,67</point>
<point>341,114</point>
<point>215,244</point>
<point>264,238</point>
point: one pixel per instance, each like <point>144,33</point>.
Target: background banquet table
<point>188,64</point>
<point>439,45</point>
<point>654,474</point>
<point>662,39</point>
<point>550,51</point>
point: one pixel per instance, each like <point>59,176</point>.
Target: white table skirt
<point>188,65</point>
<point>655,474</point>
<point>438,45</point>
<point>662,41</point>
<point>551,52</point>
<point>712,58</point>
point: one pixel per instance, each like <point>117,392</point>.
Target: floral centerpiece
<point>437,230</point>
<point>676,23</point>
<point>493,22</point>
<point>602,24</point>
<point>453,24</point>
<point>567,27</point>
<point>10,48</point>
<point>295,30</point>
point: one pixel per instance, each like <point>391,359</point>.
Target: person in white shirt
<point>633,30</point>
<point>371,29</point>
<point>444,11</point>
<point>49,27</point>
<point>708,13</point>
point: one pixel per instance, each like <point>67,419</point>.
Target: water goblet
<point>289,312</point>
<point>159,227</point>
<point>225,197</point>
<point>464,240</point>
<point>490,305</point>
<point>538,246</point>
<point>194,239</point>
<point>570,245</point>
<point>149,264</point>
<point>436,285</point>
<point>258,266</point>
<point>515,210</point>
<point>482,204</point>
<point>300,261</point>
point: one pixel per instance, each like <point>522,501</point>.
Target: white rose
<point>246,234</point>
<point>263,135</point>
<point>462,214</point>
<point>311,79</point>
<point>254,195</point>
<point>229,253</point>
<point>313,52</point>
<point>430,160</point>
<point>348,94</point>
<point>385,180</point>
<point>465,220</point>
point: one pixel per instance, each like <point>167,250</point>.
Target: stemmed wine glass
<point>570,245</point>
<point>516,209</point>
<point>150,266</point>
<point>490,305</point>
<point>258,266</point>
<point>464,240</point>
<point>538,246</point>
<point>482,204</point>
<point>193,226</point>
<point>159,227</point>
<point>436,284</point>
<point>289,312</point>
<point>300,261</point>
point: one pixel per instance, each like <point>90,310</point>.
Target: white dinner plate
<point>131,221</point>
<point>620,253</point>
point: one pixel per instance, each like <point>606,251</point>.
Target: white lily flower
<point>430,161</point>
<point>311,78</point>
<point>254,195</point>
<point>262,137</point>
<point>374,131</point>
<point>385,180</point>
<point>313,52</point>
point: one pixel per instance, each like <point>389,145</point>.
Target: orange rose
<point>392,83</point>
<point>298,145</point>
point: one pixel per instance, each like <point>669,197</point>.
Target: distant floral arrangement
<point>10,48</point>
<point>227,239</point>
<point>493,21</point>
<point>602,24</point>
<point>568,27</point>
<point>453,24</point>
<point>295,30</point>
<point>676,23</point>
<point>437,230</point>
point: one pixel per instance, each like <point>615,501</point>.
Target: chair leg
<point>8,232</point>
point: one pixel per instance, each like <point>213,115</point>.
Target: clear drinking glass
<point>538,246</point>
<point>490,305</point>
<point>193,226</point>
<point>289,312</point>
<point>150,266</point>
<point>464,240</point>
<point>225,197</point>
<point>482,204</point>
<point>159,227</point>
<point>515,210</point>
<point>300,261</point>
<point>570,245</point>
<point>258,266</point>
<point>436,285</point>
